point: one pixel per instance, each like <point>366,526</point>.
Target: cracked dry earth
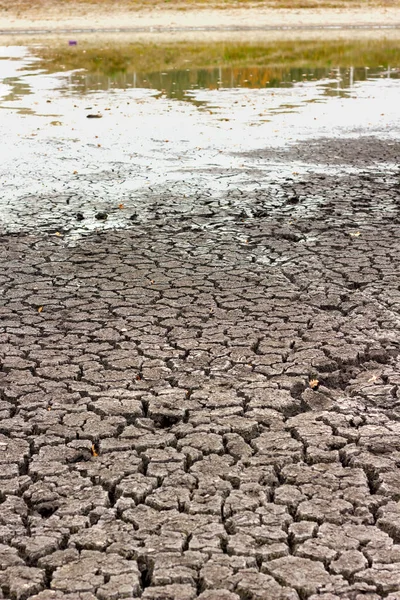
<point>159,438</point>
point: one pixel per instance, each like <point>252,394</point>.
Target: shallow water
<point>179,71</point>
<point>198,127</point>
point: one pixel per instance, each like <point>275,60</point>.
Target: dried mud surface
<point>159,438</point>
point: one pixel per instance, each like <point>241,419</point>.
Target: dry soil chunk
<point>218,595</point>
<point>22,582</point>
<point>170,592</point>
<point>306,576</point>
<point>349,563</point>
<point>259,586</point>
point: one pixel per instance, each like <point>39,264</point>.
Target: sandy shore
<point>95,18</point>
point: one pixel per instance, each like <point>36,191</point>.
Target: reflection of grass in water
<point>114,59</point>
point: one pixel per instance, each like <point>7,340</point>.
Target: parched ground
<point>161,433</point>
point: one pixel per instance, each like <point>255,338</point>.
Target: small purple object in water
<point>72,43</point>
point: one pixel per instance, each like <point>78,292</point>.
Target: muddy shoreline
<point>213,390</point>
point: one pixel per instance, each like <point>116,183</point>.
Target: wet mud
<point>200,391</point>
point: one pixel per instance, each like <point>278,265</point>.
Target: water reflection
<point>183,72</point>
<point>180,84</point>
<point>177,68</point>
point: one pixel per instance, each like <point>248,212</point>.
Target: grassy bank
<point>146,57</point>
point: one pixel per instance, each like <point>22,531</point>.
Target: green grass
<point>111,59</point>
